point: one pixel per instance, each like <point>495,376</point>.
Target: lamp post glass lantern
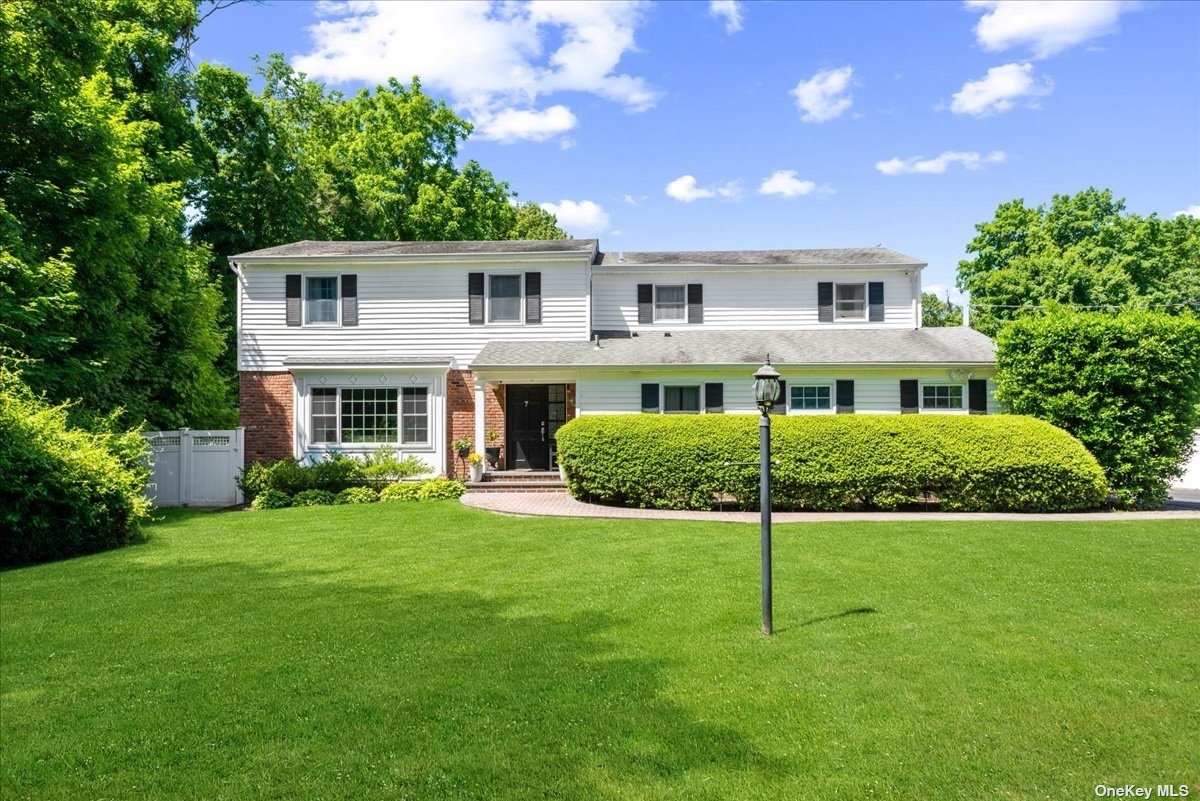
<point>766,394</point>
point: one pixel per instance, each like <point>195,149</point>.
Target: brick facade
<point>265,404</point>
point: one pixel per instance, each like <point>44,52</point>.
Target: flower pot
<point>477,472</point>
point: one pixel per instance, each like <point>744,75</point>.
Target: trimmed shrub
<point>285,475</point>
<point>400,491</point>
<point>825,463</point>
<point>271,499</point>
<point>336,473</point>
<point>382,465</point>
<point>357,495</point>
<point>313,497</point>
<point>1127,385</point>
<point>333,474</point>
<point>63,490</point>
<point>438,489</point>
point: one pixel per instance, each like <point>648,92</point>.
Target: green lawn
<point>430,651</point>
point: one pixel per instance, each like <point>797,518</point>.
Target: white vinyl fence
<point>1191,472</point>
<point>195,468</point>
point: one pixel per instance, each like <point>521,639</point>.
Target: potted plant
<point>462,447</point>
<point>475,465</point>
<point>493,448</point>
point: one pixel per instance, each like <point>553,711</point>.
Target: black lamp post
<point>766,394</point>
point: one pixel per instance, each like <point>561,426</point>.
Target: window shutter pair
<point>533,298</point>
<point>845,397</point>
<point>695,304</point>
<point>294,297</point>
<point>875,305</point>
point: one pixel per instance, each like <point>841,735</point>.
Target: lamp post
<point>766,393</point>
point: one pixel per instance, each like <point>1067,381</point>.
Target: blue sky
<point>714,125</point>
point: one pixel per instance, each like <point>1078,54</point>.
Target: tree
<point>1081,250</point>
<point>95,138</point>
<point>938,313</point>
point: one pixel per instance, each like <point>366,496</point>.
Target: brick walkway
<point>560,504</point>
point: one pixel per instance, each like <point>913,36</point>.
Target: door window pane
<point>942,396</point>
<point>681,399</point>
<point>851,301</point>
<point>324,415</point>
<point>669,303</point>
<point>414,429</point>
<point>320,305</point>
<point>368,415</point>
<point>506,299</point>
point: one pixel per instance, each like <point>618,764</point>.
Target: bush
<point>63,490</point>
<point>271,499</point>
<point>400,491</point>
<point>383,465</point>
<point>825,463</point>
<point>438,489</point>
<point>333,474</point>
<point>286,476</point>
<point>1126,385</point>
<point>313,497</point>
<point>357,495</point>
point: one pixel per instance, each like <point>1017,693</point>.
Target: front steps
<point>519,481</point>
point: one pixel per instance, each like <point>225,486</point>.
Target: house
<point>349,345</point>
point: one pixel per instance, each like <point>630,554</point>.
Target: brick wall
<point>460,413</point>
<point>265,403</point>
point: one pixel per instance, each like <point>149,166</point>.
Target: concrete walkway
<point>560,504</point>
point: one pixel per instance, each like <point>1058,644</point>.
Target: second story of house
<point>443,301</point>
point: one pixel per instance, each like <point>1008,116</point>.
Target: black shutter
<point>909,403</point>
<point>875,301</point>
<point>845,397</point>
<point>781,405</point>
<point>475,297</point>
<point>533,298</point>
<point>294,302</point>
<point>349,299</point>
<point>695,301</point>
<point>645,304</point>
<point>649,397</point>
<point>714,398</point>
<point>977,395</point>
<point>825,302</point>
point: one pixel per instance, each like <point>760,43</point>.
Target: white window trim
<point>487,292</point>
<point>337,302</point>
<point>422,447</point>
<point>832,398</point>
<point>866,302</point>
<point>662,397</point>
<point>672,320</point>
<point>935,383</point>
<point>428,416</point>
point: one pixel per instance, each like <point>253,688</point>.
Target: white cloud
<point>939,164</point>
<point>731,10</point>
<point>826,95</point>
<point>513,124</point>
<point>490,57</point>
<point>630,199</point>
<point>1000,90</point>
<point>1190,211</point>
<point>685,190</point>
<point>1045,26</point>
<point>583,218</point>
<point>731,190</point>
<point>785,184</point>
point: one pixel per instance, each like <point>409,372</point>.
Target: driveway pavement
<point>560,504</point>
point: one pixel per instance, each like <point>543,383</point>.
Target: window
<point>670,303</point>
<point>810,397</point>
<point>320,300</point>
<point>414,428</point>
<point>942,396</point>
<point>556,409</point>
<point>505,296</point>
<point>683,400</point>
<point>368,415</point>
<point>324,415</point>
<point>850,302</point>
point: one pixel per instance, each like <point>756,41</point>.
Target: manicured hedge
<point>971,463</point>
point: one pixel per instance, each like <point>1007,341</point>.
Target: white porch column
<point>480,421</point>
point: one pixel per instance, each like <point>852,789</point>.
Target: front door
<point>528,424</point>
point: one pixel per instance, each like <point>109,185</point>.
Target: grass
<point>430,651</point>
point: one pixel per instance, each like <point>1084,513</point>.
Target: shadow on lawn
<point>862,610</point>
<point>294,683</point>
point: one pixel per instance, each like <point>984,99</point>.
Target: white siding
<point>742,299</point>
<point>406,310</point>
<point>875,392</point>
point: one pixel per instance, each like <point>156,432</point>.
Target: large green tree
<point>100,286</point>
<point>938,313</point>
<point>1082,250</point>
<point>297,161</point>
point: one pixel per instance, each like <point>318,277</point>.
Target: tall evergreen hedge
<point>824,463</point>
<point>1127,385</point>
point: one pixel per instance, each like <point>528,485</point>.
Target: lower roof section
<point>840,346</point>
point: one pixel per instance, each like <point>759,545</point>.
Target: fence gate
<point>195,468</point>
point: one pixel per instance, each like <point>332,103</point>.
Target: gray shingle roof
<point>807,258</point>
<point>310,247</point>
<point>879,346</point>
